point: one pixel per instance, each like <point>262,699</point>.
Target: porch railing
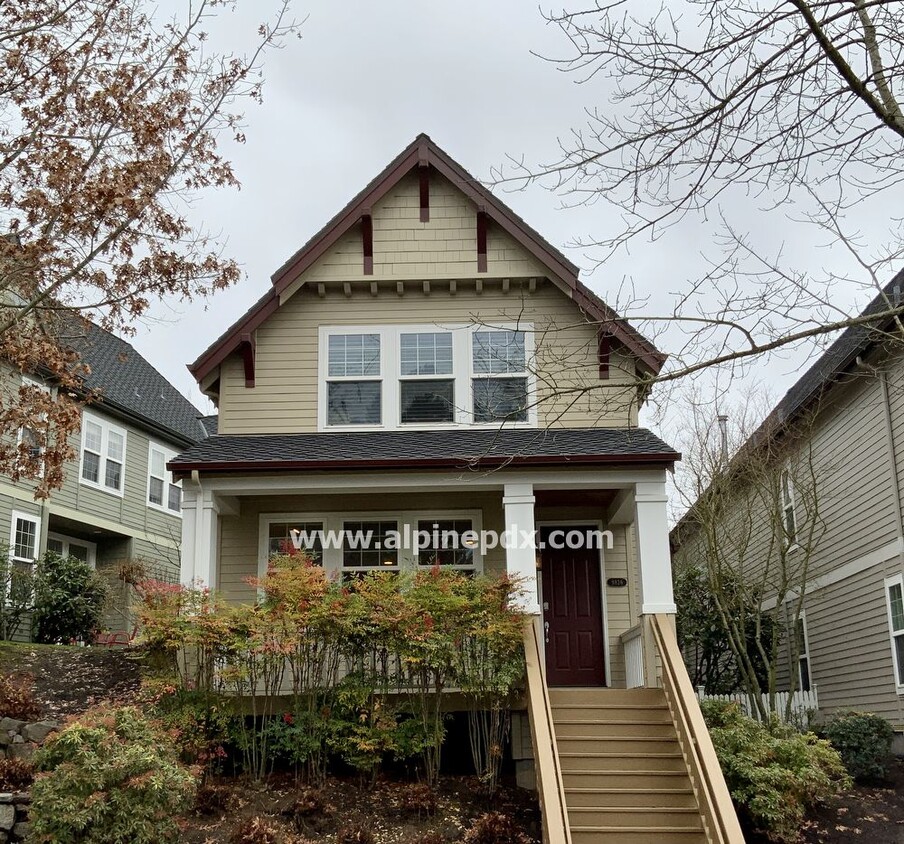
<point>632,644</point>
<point>718,814</point>
<point>543,737</point>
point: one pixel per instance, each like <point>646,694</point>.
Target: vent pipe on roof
<point>723,433</point>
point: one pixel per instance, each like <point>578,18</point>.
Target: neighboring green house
<point>118,503</point>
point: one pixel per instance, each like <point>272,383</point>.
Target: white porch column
<point>652,526</point>
<point>520,556</point>
<point>199,536</point>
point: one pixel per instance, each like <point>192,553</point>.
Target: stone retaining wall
<point>20,740</point>
<point>14,817</point>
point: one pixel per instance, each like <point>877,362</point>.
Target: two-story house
<point>428,364</point>
<point>846,414</point>
<point>119,503</point>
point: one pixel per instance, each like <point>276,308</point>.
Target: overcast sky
<point>341,102</point>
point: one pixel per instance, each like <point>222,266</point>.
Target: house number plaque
<point>617,582</point>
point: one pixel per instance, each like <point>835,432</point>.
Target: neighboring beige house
<point>428,361</point>
<point>851,635</point>
<point>119,503</point>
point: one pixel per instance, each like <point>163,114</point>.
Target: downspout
<point>892,459</point>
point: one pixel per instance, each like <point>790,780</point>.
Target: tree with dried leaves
<point>752,526</point>
<point>109,124</point>
<point>707,108</point>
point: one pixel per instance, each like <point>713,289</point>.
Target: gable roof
<point>459,449</point>
<point>130,386</point>
<point>424,151</point>
<point>837,359</point>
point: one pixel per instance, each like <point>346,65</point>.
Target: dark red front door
<point>572,613</point>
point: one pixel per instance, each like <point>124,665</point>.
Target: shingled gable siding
<point>239,543</point>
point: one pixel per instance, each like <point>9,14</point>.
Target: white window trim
<point>897,579</point>
<point>106,427</point>
<point>805,653</point>
<point>333,521</point>
<point>68,540</point>
<point>168,454</point>
<point>391,375</point>
<point>25,517</point>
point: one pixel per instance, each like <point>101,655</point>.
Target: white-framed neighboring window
<point>24,540</point>
<point>789,518</point>
<point>894,599</point>
<point>68,546</point>
<point>164,493</point>
<point>103,457</point>
<point>802,643</point>
<point>35,440</point>
<point>350,543</point>
<point>424,377</point>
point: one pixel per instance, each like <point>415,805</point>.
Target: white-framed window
<point>802,643</point>
<point>24,540</point>
<point>164,493</point>
<point>499,375</point>
<point>894,599</point>
<point>789,518</point>
<point>351,543</point>
<point>68,546</point>
<point>354,379</point>
<point>34,439</point>
<point>402,377</point>
<point>103,454</point>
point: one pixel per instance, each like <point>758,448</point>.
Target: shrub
<point>417,799</point>
<point>69,600</point>
<point>774,773</point>
<point>15,774</point>
<point>17,698</point>
<point>311,811</point>
<point>495,828</point>
<point>864,742</point>
<point>110,777</point>
<point>258,830</point>
<point>355,834</point>
<point>16,584</point>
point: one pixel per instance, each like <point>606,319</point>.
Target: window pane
<point>444,545</point>
<point>427,401</point>
<point>805,675</point>
<point>55,545</point>
<point>91,467</point>
<point>80,552</point>
<point>353,403</point>
<point>114,446</point>
<point>282,538</point>
<point>113,477</point>
<point>174,499</point>
<point>158,463</point>
<point>364,544</point>
<point>155,491</point>
<point>498,352</point>
<point>93,436</point>
<point>25,545</point>
<point>899,653</point>
<point>500,399</point>
<point>896,599</point>
<point>426,354</point>
<point>353,354</point>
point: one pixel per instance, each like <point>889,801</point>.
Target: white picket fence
<point>803,704</point>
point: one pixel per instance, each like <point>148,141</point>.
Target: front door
<point>572,610</point>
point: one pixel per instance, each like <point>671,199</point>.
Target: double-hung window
<point>368,545</point>
<point>163,492</point>
<point>894,597</point>
<point>789,519</point>
<point>103,454</point>
<point>803,654</point>
<point>354,379</point>
<point>296,537</point>
<point>447,543</point>
<point>24,539</point>
<point>426,385</point>
<point>499,375</point>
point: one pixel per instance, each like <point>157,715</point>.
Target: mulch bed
<point>69,680</point>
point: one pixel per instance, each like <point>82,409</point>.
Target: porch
<point>589,597</point>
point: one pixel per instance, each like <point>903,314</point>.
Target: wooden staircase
<point>624,775</point>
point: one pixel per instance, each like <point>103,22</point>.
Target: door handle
<point>546,631</point>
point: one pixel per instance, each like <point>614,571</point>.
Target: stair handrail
<point>547,766</point>
<point>706,773</point>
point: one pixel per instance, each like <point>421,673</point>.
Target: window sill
<point>101,488</point>
<point>157,508</point>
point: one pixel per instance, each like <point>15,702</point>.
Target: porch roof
<point>459,449</point>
